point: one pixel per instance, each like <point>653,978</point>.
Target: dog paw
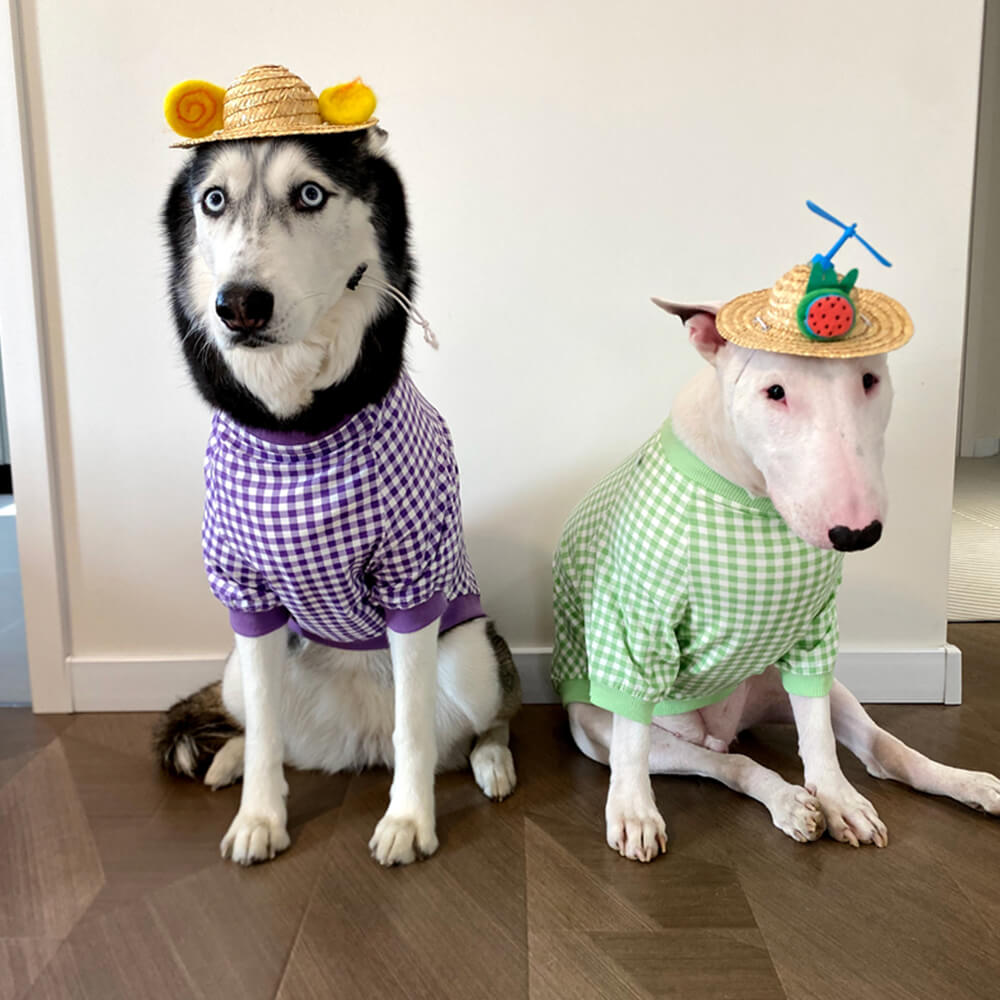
<point>254,837</point>
<point>493,769</point>
<point>227,764</point>
<point>401,840</point>
<point>635,829</point>
<point>981,791</point>
<point>797,813</point>
<point>850,817</point>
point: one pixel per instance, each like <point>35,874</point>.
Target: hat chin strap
<point>744,366</point>
<point>360,277</point>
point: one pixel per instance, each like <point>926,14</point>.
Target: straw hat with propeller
<point>815,312</point>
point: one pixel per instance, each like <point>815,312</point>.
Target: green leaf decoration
<point>848,283</point>
<point>821,277</point>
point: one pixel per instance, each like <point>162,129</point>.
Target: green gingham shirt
<point>673,585</point>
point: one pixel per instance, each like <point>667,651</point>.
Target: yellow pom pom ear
<point>347,103</point>
<point>194,108</point>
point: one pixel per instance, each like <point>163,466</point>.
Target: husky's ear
<point>373,140</point>
<point>699,320</point>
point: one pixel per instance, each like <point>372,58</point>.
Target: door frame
<point>29,415</point>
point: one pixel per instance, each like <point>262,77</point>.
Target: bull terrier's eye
<point>869,381</point>
<point>213,201</point>
<point>309,197</point>
<point>776,392</point>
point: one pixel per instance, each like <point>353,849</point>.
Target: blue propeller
<point>849,231</point>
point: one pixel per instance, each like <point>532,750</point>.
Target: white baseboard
<point>923,675</point>
<point>138,685</point>
<point>926,675</point>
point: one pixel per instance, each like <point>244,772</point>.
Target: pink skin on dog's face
<point>813,427</point>
<point>820,446</point>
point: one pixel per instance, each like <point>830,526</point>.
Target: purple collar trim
<point>292,437</point>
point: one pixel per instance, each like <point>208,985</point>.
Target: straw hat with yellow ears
<point>815,312</point>
<point>265,102</point>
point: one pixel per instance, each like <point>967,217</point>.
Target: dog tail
<point>510,679</point>
<point>192,731</point>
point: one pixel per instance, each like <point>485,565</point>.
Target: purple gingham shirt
<point>339,534</point>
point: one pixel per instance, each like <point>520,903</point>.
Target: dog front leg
<point>850,817</point>
<point>258,832</point>
<point>406,831</point>
<point>634,826</point>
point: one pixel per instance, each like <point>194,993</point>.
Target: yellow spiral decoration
<point>194,108</point>
<point>347,103</point>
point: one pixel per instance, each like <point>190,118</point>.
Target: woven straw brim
<point>882,325</point>
<point>272,131</point>
<point>267,102</point>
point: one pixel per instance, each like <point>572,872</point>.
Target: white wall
<point>564,162</point>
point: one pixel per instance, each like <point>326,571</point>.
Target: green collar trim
<point>688,464</point>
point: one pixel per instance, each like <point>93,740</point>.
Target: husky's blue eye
<point>310,197</point>
<point>214,201</point>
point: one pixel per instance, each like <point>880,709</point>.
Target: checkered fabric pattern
<point>673,585</point>
<point>343,533</point>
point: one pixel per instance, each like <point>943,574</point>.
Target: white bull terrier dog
<point>695,586</point>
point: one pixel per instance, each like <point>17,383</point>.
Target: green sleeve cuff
<point>811,686</point>
<point>582,689</point>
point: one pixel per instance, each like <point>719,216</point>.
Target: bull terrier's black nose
<point>850,540</point>
<point>244,308</point>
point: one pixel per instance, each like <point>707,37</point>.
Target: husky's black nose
<point>849,540</point>
<point>244,308</point>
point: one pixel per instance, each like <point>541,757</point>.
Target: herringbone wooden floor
<point>111,885</point>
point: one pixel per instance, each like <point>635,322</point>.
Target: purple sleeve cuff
<point>414,619</point>
<point>254,623</point>
<point>455,612</point>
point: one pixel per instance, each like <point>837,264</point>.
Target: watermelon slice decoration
<point>826,311</point>
<point>826,315</point>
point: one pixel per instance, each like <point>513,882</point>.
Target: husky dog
<point>289,267</point>
<point>756,439</point>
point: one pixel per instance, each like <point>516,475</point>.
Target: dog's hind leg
<point>193,730</point>
<point>492,762</point>
<point>478,677</point>
<point>227,765</point>
<point>794,810</point>
<point>491,759</point>
<point>885,756</point>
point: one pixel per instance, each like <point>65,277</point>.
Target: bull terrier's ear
<point>700,322</point>
<point>705,336</point>
<point>685,310</point>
